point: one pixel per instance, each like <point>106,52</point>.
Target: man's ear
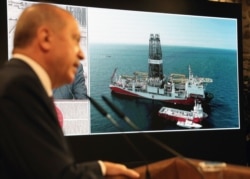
<point>44,36</point>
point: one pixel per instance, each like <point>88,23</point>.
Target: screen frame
<point>207,145</point>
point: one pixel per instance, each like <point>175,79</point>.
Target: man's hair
<point>32,18</point>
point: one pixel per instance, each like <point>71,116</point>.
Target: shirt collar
<point>40,72</point>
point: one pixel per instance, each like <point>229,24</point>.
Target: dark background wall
<point>3,32</point>
<point>246,68</point>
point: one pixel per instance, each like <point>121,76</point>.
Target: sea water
<point>218,64</point>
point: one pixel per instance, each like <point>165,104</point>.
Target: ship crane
<point>198,80</point>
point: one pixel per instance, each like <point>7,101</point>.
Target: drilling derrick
<point>155,66</point>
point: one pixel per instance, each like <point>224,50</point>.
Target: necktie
<point>58,113</point>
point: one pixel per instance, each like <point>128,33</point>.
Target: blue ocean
<point>218,64</point>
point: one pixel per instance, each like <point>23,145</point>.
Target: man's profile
<point>32,143</point>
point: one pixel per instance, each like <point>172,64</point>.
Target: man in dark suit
<point>75,90</point>
<point>46,55</point>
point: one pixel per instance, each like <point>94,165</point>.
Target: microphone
<point>115,123</point>
<point>120,113</point>
<point>149,137</point>
<point>103,112</point>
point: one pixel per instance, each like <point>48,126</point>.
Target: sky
<point>133,27</point>
<point>120,26</point>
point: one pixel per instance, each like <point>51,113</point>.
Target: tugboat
<point>187,119</point>
<point>154,85</point>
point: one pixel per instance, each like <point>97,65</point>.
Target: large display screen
<point>166,72</point>
<point>174,68</point>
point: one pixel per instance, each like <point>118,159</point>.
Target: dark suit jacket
<point>76,90</point>
<point>32,144</point>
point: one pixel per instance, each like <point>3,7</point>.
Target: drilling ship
<point>154,85</point>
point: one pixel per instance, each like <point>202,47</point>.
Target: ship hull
<point>158,97</point>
